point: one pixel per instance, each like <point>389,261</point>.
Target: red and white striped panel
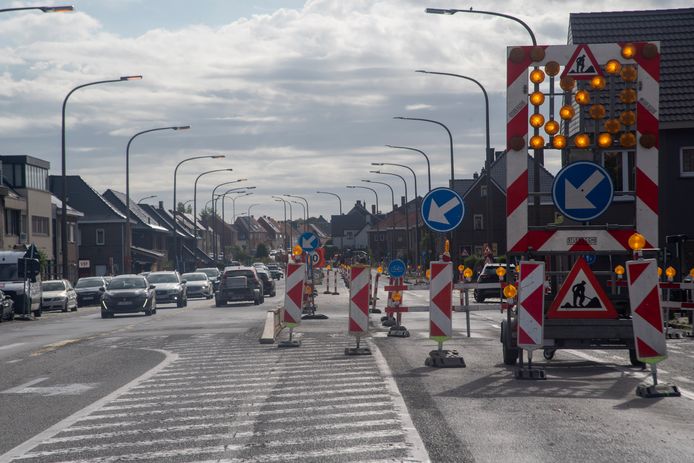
<point>531,305</point>
<point>441,301</point>
<point>294,293</point>
<point>519,239</point>
<point>646,313</point>
<point>360,277</point>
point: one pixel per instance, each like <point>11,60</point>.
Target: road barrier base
<point>445,359</point>
<point>335,293</point>
<point>315,316</point>
<point>389,321</point>
<point>357,351</point>
<point>293,343</point>
<point>398,331</point>
<point>659,390</point>
<point>529,373</point>
<point>375,311</point>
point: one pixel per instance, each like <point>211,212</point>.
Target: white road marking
<point>25,447</point>
<point>10,346</point>
<point>14,361</point>
<point>58,389</point>
<point>417,449</point>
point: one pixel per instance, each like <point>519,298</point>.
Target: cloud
<point>300,99</point>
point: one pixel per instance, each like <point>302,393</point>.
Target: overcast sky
<point>299,95</point>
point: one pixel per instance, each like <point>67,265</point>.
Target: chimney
<point>358,203</point>
<point>373,209</point>
<point>403,200</point>
<point>475,176</point>
<point>161,205</point>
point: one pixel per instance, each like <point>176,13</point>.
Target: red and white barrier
<point>294,293</point>
<point>531,304</point>
<point>441,301</point>
<point>359,300</point>
<point>646,312</point>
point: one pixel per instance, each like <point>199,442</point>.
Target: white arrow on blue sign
<point>308,241</point>
<point>582,191</point>
<point>443,209</point>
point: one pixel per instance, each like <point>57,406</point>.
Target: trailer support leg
<point>657,389</point>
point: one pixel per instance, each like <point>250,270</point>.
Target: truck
<point>20,279</point>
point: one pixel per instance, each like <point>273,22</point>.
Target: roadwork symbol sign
<point>581,296</point>
<point>443,210</point>
<point>582,191</point>
<point>582,65</point>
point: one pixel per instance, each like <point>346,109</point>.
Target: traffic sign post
<point>440,316</point>
<point>647,315</point>
<point>531,318</point>
<point>442,210</point>
<point>293,300</point>
<point>582,191</point>
<point>358,325</point>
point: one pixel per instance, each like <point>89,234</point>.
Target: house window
<point>687,162</point>
<point>100,237</point>
<point>621,167</point>
<point>12,224</point>
<point>478,222</point>
<point>349,235</point>
<point>39,225</point>
<point>483,191</point>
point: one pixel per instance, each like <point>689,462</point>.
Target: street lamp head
<point>377,164</point>
<point>57,9</point>
<point>439,11</point>
<point>399,117</point>
<point>131,78</point>
<point>217,156</point>
<point>374,171</point>
<point>183,127</point>
<point>422,71</point>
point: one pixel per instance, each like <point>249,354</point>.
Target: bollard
<point>295,282</point>
<point>531,317</point>
<point>374,298</point>
<point>358,324</point>
<point>440,316</point>
<point>335,293</point>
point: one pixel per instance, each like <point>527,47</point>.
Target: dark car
<point>128,294</point>
<point>268,282</point>
<point>275,271</point>
<point>198,285</point>
<point>6,307</point>
<point>171,288</point>
<point>239,284</point>
<point>87,290</point>
<point>488,275</point>
<point>213,274</point>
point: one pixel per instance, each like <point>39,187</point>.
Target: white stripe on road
<point>226,376</point>
<point>10,346</point>
<point>23,448</point>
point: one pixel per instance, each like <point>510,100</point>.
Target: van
<point>21,280</point>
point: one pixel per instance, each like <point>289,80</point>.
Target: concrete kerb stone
<point>273,326</point>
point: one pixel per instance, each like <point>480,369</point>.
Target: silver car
<point>58,295</point>
<point>198,284</point>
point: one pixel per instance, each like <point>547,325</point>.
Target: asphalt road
<point>194,384</point>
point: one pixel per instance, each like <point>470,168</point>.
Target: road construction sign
<point>581,296</point>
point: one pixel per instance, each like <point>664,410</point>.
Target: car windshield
<point>53,286</point>
<point>194,276</point>
<point>162,278</point>
<point>210,272</point>
<point>89,283</point>
<point>8,272</point>
<point>490,269</point>
<point>127,283</point>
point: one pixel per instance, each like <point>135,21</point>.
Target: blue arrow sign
<point>396,268</point>
<point>443,209</point>
<point>308,241</point>
<point>582,191</point>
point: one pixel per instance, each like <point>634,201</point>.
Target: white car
<point>58,295</point>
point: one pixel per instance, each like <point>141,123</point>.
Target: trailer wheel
<point>548,354</point>
<point>634,359</point>
<point>510,354</point>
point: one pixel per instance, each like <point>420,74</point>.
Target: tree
<point>183,209</point>
<point>261,251</point>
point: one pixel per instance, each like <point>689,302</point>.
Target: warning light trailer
<point>608,98</point>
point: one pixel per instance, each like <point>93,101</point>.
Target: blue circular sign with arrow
<point>582,191</point>
<point>308,241</point>
<point>443,209</point>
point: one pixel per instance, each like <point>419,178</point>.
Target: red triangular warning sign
<point>581,296</point>
<point>582,65</point>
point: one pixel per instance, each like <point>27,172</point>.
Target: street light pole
<point>284,206</point>
<point>303,208</point>
<point>407,215</point>
<point>128,226</point>
<point>420,152</point>
<point>289,242</point>
<point>450,138</point>
<point>392,195</point>
<point>45,9</point>
<point>367,188</point>
<point>333,194</point>
<point>224,197</point>
<point>175,223</point>
<point>492,13</point>
<point>416,202</point>
<point>214,216</point>
<point>146,197</point>
<point>63,223</point>
<point>195,198</point>
<point>307,216</point>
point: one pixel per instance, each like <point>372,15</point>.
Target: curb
<point>273,326</point>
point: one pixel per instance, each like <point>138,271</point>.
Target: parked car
<point>58,295</point>
<point>488,275</point>
<point>170,288</point>
<point>239,284</point>
<point>275,271</point>
<point>213,274</point>
<point>87,290</point>
<point>6,307</point>
<point>128,294</point>
<point>198,285</point>
<point>268,282</point>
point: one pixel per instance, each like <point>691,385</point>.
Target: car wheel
<point>74,309</point>
<point>105,314</point>
<point>64,309</point>
<point>37,313</point>
<point>273,294</point>
<point>179,303</point>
